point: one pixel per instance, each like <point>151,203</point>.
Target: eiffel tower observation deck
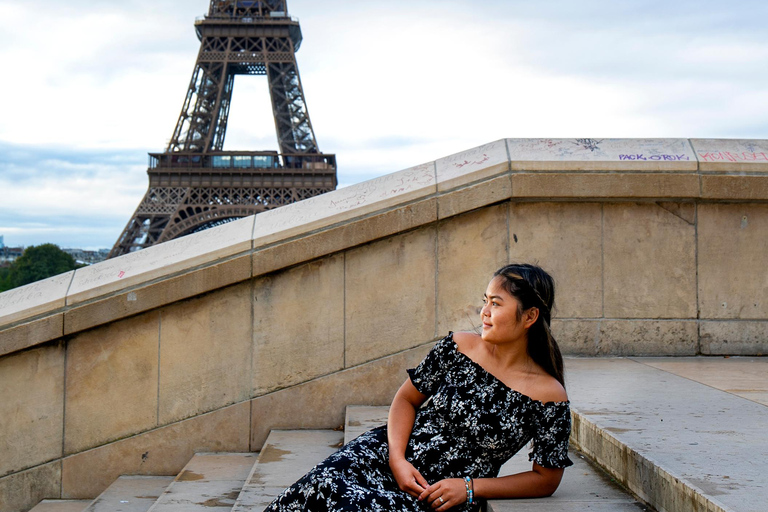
<point>195,184</point>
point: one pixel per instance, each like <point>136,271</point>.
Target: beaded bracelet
<point>470,486</point>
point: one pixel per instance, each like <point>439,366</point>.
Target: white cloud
<point>388,85</point>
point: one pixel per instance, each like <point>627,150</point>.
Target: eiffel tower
<point>195,184</point>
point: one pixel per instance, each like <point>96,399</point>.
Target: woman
<point>470,405</point>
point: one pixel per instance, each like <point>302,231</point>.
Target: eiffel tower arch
<point>194,184</point>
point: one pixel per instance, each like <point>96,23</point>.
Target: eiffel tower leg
<point>195,184</point>
<point>294,130</point>
<point>201,126</point>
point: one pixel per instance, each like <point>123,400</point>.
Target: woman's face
<point>500,315</point>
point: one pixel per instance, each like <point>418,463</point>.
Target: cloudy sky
<point>90,86</point>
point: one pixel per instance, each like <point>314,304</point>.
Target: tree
<point>5,283</point>
<point>39,262</point>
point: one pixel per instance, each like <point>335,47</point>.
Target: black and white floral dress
<point>471,425</point>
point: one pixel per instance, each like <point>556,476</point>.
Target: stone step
<point>131,494</point>
<point>681,433</point>
<point>209,481</point>
<point>584,487</point>
<point>61,506</point>
<point>285,457</point>
<point>361,418</point>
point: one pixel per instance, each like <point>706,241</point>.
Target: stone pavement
<point>682,433</point>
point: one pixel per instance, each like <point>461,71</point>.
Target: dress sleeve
<point>550,439</point>
<point>427,377</point>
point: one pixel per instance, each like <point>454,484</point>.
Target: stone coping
<point>507,169</point>
<point>678,432</point>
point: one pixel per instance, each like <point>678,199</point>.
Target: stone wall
<point>280,320</point>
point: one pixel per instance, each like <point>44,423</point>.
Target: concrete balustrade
<point>206,342</point>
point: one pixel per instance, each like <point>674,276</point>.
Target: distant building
<point>9,254</point>
<point>85,257</point>
<point>1,242</point>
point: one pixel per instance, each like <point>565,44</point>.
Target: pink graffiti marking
<point>733,157</point>
<point>120,274</point>
<point>476,162</point>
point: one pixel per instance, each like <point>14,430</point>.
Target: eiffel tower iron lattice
<point>194,184</point>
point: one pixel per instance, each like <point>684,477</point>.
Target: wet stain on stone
<point>147,497</point>
<point>215,502</point>
<point>622,430</point>
<point>272,454</point>
<point>354,423</point>
<point>189,476</point>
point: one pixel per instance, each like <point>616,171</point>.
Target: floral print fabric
<point>471,424</point>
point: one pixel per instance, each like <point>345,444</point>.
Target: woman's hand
<point>408,477</point>
<point>445,494</point>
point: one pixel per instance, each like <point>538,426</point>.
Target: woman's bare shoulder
<point>466,341</point>
<point>549,389</point>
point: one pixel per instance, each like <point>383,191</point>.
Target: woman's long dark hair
<point>533,287</point>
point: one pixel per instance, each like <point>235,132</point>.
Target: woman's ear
<point>530,317</point>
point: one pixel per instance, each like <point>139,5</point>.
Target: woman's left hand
<point>445,494</point>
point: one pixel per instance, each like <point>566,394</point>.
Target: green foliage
<point>5,283</point>
<point>38,262</point>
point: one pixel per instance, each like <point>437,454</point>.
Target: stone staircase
<point>248,482</point>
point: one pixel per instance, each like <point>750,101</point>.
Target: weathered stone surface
<point>298,324</point>
<point>474,196</point>
<point>362,418</point>
<point>390,295</point>
<point>565,239</point>
<point>677,443</point>
<point>34,299</point>
<point>648,337</point>
<point>741,188</point>
<point>31,408</point>
<point>163,451</point>
<point>470,248</point>
<point>52,505</point>
<point>166,291</point>
<point>344,236</point>
<point>30,334</point>
<point>204,343</point>
<point>731,154</point>
<point>287,456</point>
<point>344,204</point>
<point>649,263</point>
<point>577,337</point>
<point>746,377</point>
<point>130,493</point>
<point>161,260</point>
<point>112,382</point>
<point>208,481</point>
<point>321,403</point>
<point>732,273</point>
<point>601,155</point>
<point>472,165</point>
<point>734,338</point>
<point>22,491</point>
<point>573,185</point>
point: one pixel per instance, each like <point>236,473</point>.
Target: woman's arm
<point>537,483</point>
<point>402,414</point>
